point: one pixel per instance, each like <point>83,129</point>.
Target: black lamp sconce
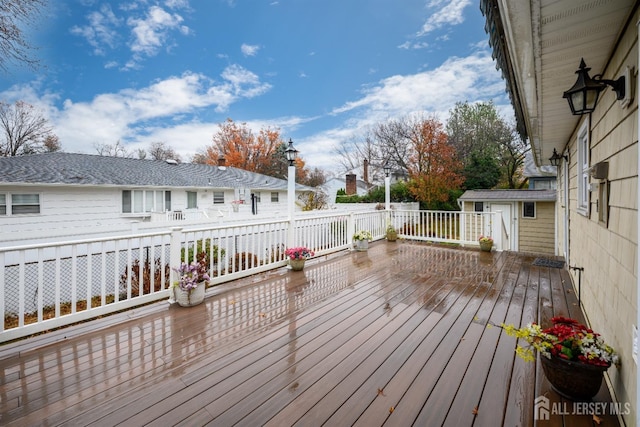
<point>583,95</point>
<point>555,158</point>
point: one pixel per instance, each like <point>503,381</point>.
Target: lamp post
<point>291,154</point>
<point>387,189</point>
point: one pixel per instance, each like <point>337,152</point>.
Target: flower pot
<point>190,298</point>
<point>573,380</point>
<point>392,236</point>
<point>297,264</point>
<point>361,245</point>
<point>486,246</point>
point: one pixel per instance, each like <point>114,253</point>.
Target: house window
<point>3,204</point>
<point>192,200</point>
<point>275,197</point>
<point>583,170</point>
<point>218,197</point>
<point>528,209</point>
<point>144,201</point>
<point>478,206</point>
<point>167,200</point>
<point>257,197</point>
<point>25,204</point>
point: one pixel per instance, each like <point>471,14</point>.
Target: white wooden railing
<point>50,285</point>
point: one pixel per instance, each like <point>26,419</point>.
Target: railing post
<point>174,258</point>
<point>351,227</point>
<point>496,229</point>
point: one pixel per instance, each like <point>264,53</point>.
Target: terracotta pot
<point>297,264</point>
<point>486,246</point>
<point>192,297</point>
<point>574,380</point>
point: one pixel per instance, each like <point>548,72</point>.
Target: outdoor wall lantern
<point>291,153</point>
<point>583,95</point>
<point>555,158</point>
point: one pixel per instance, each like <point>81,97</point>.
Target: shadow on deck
<point>397,336</point>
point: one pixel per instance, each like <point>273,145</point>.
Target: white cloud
<point>449,12</point>
<point>151,29</point>
<point>457,79</point>
<point>150,34</point>
<point>129,114</point>
<point>101,30</point>
<point>249,49</point>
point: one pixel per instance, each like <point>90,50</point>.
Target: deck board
<point>399,335</point>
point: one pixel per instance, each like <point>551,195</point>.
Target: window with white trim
<point>275,197</point>
<point>25,204</point>
<point>218,197</point>
<point>3,204</point>
<point>583,169</point>
<point>145,201</point>
<point>528,209</point>
<point>192,200</point>
<point>478,206</point>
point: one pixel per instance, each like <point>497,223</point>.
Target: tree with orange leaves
<point>241,148</point>
<point>262,153</point>
<point>433,167</point>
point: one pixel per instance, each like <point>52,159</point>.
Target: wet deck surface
<point>394,336</point>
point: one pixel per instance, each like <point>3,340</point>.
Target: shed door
<point>510,241</point>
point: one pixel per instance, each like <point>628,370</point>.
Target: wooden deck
<point>397,336</point>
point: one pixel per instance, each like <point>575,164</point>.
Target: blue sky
<point>321,71</point>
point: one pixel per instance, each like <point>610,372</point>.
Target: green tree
<point>481,171</point>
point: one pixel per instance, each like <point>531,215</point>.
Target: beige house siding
<point>537,234</point>
<point>608,251</point>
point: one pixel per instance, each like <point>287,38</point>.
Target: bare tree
<point>24,130</point>
<point>13,43</point>
<point>161,151</point>
<point>115,150</point>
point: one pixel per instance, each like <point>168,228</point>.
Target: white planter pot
<point>190,298</point>
<point>361,245</point>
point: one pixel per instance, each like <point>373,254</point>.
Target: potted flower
<point>486,243</point>
<point>297,257</point>
<point>362,239</point>
<point>191,284</point>
<point>392,233</point>
<point>574,357</point>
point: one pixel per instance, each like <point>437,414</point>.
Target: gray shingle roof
<point>509,195</point>
<point>94,170</point>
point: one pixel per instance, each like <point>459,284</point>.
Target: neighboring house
<point>60,194</point>
<point>333,185</point>
<point>539,177</point>
<point>528,216</point>
<point>539,45</point>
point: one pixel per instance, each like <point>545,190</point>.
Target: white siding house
<point>52,195</point>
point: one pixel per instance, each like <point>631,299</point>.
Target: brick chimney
<point>222,162</point>
<point>351,188</point>
<point>365,176</point>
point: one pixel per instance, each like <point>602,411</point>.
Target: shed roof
<point>509,195</point>
<point>94,170</point>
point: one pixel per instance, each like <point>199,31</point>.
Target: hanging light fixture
<point>555,158</point>
<point>583,95</point>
